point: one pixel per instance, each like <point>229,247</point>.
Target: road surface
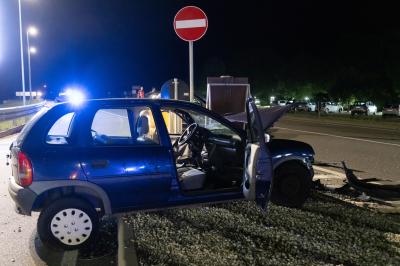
<point>15,230</point>
<point>374,152</point>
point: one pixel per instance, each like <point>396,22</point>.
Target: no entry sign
<point>190,23</point>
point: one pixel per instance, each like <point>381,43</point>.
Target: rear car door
<point>125,157</point>
<point>258,171</point>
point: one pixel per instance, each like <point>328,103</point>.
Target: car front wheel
<point>291,185</point>
<point>68,223</point>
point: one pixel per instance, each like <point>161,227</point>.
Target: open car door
<point>258,171</point>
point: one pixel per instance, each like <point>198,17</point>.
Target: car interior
<point>208,155</point>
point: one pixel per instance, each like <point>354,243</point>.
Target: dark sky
<point>110,45</point>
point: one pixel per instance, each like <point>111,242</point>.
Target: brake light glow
<point>25,170</point>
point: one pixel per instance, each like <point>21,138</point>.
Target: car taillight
<point>25,170</point>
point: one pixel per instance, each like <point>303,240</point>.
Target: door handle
<point>100,163</point>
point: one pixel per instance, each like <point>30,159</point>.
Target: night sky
<point>109,45</point>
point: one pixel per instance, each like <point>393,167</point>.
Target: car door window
<point>175,125</point>
<point>59,132</point>
<point>124,126</point>
<point>145,127</point>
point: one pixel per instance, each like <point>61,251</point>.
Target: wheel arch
<point>294,159</point>
<point>52,190</point>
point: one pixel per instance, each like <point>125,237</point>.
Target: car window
<point>173,122</point>
<point>211,124</point>
<point>178,126</point>
<point>124,126</point>
<point>59,132</point>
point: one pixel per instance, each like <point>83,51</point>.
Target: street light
<point>31,31</point>
<point>22,52</point>
<point>32,50</point>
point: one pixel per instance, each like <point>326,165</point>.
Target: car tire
<point>79,220</point>
<point>340,110</point>
<point>291,185</point>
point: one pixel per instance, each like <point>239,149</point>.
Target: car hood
<point>268,115</point>
<point>292,147</point>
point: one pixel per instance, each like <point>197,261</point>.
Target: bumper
<point>396,113</point>
<point>22,197</point>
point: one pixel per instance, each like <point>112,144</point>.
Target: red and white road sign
<point>190,23</point>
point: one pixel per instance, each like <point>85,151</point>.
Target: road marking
<point>345,123</point>
<point>335,173</point>
<point>341,137</point>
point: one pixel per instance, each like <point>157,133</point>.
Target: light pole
<point>31,50</point>
<point>22,53</point>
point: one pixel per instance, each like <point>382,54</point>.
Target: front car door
<point>258,171</point>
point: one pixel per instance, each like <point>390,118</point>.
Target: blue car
<point>77,163</point>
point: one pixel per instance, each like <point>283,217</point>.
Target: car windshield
<point>359,103</point>
<point>211,124</point>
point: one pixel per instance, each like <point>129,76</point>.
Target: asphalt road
<point>373,151</point>
<point>15,229</point>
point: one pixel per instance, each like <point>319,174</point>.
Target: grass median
<point>325,231</point>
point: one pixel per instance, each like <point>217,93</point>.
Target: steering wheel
<point>187,134</point>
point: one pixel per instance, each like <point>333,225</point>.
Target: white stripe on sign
<point>192,23</point>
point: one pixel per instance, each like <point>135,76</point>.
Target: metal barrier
<point>18,116</point>
<point>11,113</point>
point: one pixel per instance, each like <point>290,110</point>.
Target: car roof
<point>128,101</point>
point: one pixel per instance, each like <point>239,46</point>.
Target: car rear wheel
<point>291,185</point>
<point>68,223</point>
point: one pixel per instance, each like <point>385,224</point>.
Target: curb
<point>11,131</point>
<point>126,249</point>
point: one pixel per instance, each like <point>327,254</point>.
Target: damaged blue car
<point>75,164</point>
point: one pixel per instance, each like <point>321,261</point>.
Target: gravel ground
<point>327,231</point>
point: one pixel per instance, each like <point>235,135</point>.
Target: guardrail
<point>11,113</point>
<point>12,119</point>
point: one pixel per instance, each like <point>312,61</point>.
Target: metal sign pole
<point>191,71</point>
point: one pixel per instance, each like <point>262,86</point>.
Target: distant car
<point>62,97</point>
<point>257,102</point>
<point>311,106</point>
<point>77,163</point>
<point>363,108</point>
<point>391,110</point>
<point>282,102</point>
<point>332,107</point>
<point>301,107</point>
